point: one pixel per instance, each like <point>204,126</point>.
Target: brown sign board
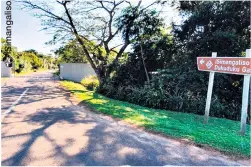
<point>230,65</point>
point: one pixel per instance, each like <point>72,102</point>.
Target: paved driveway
<point>46,127</point>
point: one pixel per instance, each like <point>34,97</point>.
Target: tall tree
<point>86,21</point>
<point>145,26</point>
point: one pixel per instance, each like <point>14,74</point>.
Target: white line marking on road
<point>14,104</point>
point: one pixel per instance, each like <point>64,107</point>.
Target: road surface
<point>42,125</point>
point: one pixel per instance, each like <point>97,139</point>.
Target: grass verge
<point>222,134</point>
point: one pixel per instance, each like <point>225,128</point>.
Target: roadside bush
<point>57,73</point>
<point>176,90</point>
<point>91,82</point>
<point>179,86</point>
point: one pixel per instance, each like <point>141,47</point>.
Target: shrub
<point>91,82</point>
<point>170,89</point>
<point>57,73</point>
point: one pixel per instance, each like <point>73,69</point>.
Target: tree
<point>178,85</point>
<point>26,60</point>
<point>31,51</point>
<point>88,21</point>
<point>70,53</point>
<point>220,27</point>
<point>158,52</point>
<point>145,25</point>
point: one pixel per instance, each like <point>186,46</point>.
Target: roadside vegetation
<point>170,59</point>
<point>91,82</point>
<point>56,73</point>
<point>159,70</point>
<point>27,61</point>
<point>218,133</point>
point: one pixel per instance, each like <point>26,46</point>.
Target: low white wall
<point>5,71</point>
<point>75,71</point>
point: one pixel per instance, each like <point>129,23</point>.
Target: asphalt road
<point>42,125</point>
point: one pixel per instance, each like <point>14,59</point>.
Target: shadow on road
<point>98,143</point>
<point>68,135</point>
<point>102,148</point>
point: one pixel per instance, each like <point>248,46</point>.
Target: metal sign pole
<point>209,92</point>
<point>245,93</point>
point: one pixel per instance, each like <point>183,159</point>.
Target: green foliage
<point>8,51</point>
<point>179,85</point>
<point>169,89</point>
<point>32,51</point>
<point>29,60</point>
<point>57,73</point>
<point>224,28</point>
<point>218,133</point>
<point>157,52</point>
<point>91,82</point>
<point>71,53</point>
<point>137,24</point>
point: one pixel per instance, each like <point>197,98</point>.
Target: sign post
<point>209,91</point>
<point>245,93</point>
<point>229,65</point>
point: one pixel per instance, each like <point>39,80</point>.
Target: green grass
<point>222,134</point>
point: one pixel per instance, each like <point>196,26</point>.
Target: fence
<point>75,71</point>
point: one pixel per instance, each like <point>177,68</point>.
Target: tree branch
<point>33,6</point>
<point>81,41</point>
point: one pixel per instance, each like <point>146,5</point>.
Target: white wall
<point>5,71</point>
<point>75,71</point>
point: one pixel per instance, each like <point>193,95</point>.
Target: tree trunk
<point>81,42</point>
<point>143,61</point>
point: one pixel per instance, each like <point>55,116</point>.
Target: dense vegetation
<point>26,61</point>
<point>175,83</point>
<point>73,53</point>
<point>160,70</point>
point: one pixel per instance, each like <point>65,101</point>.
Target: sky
<point>26,32</point>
